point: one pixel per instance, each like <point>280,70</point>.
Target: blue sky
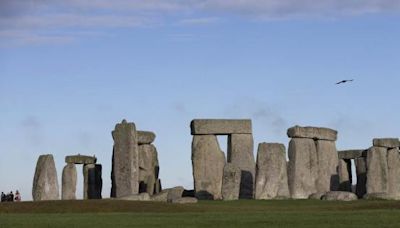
<point>70,70</point>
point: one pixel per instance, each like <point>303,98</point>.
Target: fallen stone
<point>185,200</point>
<point>352,154</point>
<point>317,196</point>
<point>377,165</point>
<point>145,137</point>
<point>345,180</point>
<point>45,182</point>
<point>231,182</point>
<point>378,196</point>
<point>220,127</point>
<point>328,177</point>
<point>92,181</point>
<point>160,197</point>
<point>240,153</point>
<point>175,193</point>
<point>387,142</point>
<point>125,163</point>
<point>69,177</point>
<point>361,171</point>
<point>302,168</point>
<point>339,196</point>
<point>80,159</point>
<point>271,172</point>
<point>208,163</point>
<point>137,197</point>
<point>312,133</point>
<point>393,159</point>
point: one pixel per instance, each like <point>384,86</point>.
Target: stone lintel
<point>387,142</point>
<point>81,159</point>
<point>220,126</point>
<point>145,137</point>
<point>318,133</point>
<point>352,154</point>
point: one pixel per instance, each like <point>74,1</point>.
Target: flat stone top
<point>387,142</point>
<point>146,137</point>
<point>220,126</point>
<point>80,159</point>
<point>312,133</point>
<point>352,154</point>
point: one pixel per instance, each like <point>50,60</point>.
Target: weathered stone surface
<point>69,177</point>
<point>361,171</point>
<point>387,142</point>
<point>160,197</point>
<point>328,177</point>
<point>92,181</point>
<point>352,154</point>
<point>303,168</point>
<point>148,168</point>
<point>317,196</point>
<point>125,163</point>
<point>377,175</point>
<point>271,172</point>
<point>240,153</point>
<point>208,163</point>
<point>185,200</point>
<point>231,182</point>
<point>378,196</point>
<point>45,182</point>
<point>312,133</point>
<point>80,159</point>
<point>145,137</point>
<point>345,180</point>
<point>137,197</point>
<point>175,193</point>
<point>157,187</point>
<point>220,127</point>
<point>339,196</point>
<point>393,159</point>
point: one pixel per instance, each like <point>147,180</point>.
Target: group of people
<point>10,197</point>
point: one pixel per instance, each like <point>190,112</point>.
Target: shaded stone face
<point>361,170</point>
<point>352,154</point>
<point>271,172</point>
<point>317,133</point>
<point>303,168</point>
<point>145,137</point>
<point>125,163</point>
<point>93,182</point>
<point>220,127</point>
<point>69,177</point>
<point>80,159</point>
<point>377,175</point>
<point>387,142</point>
<point>393,159</point>
<point>148,168</point>
<point>231,182</point>
<point>345,180</point>
<point>328,177</point>
<point>208,163</point>
<point>240,153</point>
<point>45,182</point>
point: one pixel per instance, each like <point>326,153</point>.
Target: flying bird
<point>344,81</point>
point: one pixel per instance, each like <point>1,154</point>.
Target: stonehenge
<point>45,182</point>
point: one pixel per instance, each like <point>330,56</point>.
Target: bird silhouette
<point>344,81</point>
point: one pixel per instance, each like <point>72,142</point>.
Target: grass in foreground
<point>288,213</point>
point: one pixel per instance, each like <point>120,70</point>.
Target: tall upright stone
<point>125,162</point>
<point>240,153</point>
<point>208,163</point>
<point>328,177</point>
<point>231,182</point>
<point>148,168</point>
<point>303,168</point>
<point>93,182</point>
<point>393,159</point>
<point>345,180</point>
<point>69,177</point>
<point>271,172</point>
<point>361,171</point>
<point>45,182</point>
<point>377,176</point>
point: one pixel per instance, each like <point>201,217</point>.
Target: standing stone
<point>361,170</point>
<point>208,163</point>
<point>271,172</point>
<point>231,182</point>
<point>377,175</point>
<point>93,182</point>
<point>125,162</point>
<point>45,182</point>
<point>157,186</point>
<point>393,159</point>
<point>303,168</point>
<point>148,168</point>
<point>328,177</point>
<point>240,153</point>
<point>69,177</point>
<point>345,180</point>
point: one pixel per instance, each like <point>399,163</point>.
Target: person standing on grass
<point>3,197</point>
<point>17,196</point>
<point>11,197</point>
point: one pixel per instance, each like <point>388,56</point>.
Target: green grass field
<point>113,213</point>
